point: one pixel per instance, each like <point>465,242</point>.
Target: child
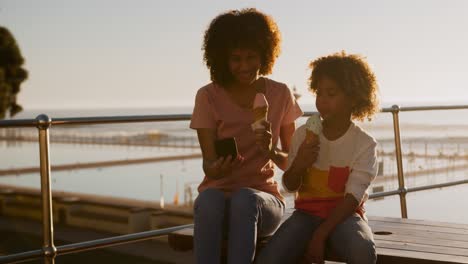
<point>331,193</point>
<point>238,197</point>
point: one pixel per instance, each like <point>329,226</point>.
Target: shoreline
<point>99,164</point>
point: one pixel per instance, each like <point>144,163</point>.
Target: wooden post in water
<point>161,191</point>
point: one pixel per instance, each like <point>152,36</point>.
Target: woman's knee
<point>245,199</point>
<point>210,201</point>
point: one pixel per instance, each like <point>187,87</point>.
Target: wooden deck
<point>398,241</point>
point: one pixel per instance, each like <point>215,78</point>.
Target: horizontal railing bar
<point>117,240</point>
<point>93,120</point>
<point>428,108</point>
<point>18,123</point>
<point>417,189</point>
<point>384,194</point>
<point>435,186</point>
<point>119,119</point>
<point>93,244</point>
<point>22,257</point>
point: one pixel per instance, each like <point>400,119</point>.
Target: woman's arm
<point>280,156</point>
<point>264,141</point>
<point>206,138</point>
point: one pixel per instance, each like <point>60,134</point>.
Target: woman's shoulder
<point>210,91</point>
<point>279,90</point>
<point>207,88</point>
<point>277,86</point>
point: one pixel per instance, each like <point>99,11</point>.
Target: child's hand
<point>315,250</point>
<point>263,138</point>
<point>306,155</point>
<point>222,166</point>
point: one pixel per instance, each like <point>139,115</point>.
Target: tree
<point>11,73</point>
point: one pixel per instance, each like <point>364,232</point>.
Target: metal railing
<point>43,124</point>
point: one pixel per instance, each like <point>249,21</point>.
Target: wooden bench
<point>398,241</point>
<point>22,205</point>
<point>119,219</point>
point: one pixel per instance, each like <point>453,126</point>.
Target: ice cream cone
<point>311,137</point>
<point>313,128</point>
<point>260,111</point>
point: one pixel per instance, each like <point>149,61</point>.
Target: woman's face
<point>244,65</point>
<point>331,101</point>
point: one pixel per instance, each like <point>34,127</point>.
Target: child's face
<point>331,101</point>
<point>244,65</point>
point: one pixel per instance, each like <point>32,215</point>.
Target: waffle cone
<point>260,113</point>
<point>311,137</point>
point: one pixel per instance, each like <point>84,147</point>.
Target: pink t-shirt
<point>215,109</point>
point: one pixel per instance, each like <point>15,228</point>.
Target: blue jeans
<point>241,218</point>
<point>351,240</point>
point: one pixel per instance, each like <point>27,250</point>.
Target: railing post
<point>401,178</point>
<point>43,125</point>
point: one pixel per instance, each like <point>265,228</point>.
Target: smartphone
<point>225,147</point>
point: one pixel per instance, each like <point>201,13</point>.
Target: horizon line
<point>386,103</point>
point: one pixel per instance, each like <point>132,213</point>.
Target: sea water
<point>440,135</point>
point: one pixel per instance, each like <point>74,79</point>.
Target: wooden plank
<point>449,252</point>
<point>416,221</point>
<point>392,256</point>
<point>419,233</point>
<point>408,238</point>
<point>441,229</point>
<point>181,240</point>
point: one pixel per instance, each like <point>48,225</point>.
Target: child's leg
<point>208,218</point>
<point>289,243</point>
<point>353,241</point>
<point>252,213</point>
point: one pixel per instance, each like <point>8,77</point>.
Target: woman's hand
<point>222,166</point>
<point>263,139</point>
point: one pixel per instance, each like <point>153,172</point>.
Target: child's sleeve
<point>202,116</point>
<point>363,171</point>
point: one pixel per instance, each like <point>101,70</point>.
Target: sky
<point>136,54</point>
